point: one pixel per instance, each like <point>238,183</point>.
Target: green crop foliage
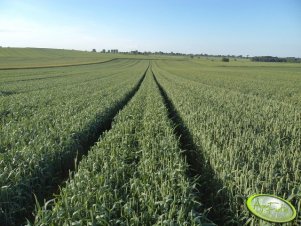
<point>49,118</point>
<point>246,122</point>
<point>190,139</point>
<point>134,175</point>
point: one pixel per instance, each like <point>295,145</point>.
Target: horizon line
<point>152,52</point>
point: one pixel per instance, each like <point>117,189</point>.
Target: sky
<point>235,27</point>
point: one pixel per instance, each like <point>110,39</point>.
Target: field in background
<point>12,58</point>
<point>36,57</point>
<point>152,139</point>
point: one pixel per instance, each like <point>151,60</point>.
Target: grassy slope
<point>42,57</point>
<point>36,57</point>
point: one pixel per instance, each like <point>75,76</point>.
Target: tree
<point>225,59</point>
<point>94,50</point>
<point>268,59</point>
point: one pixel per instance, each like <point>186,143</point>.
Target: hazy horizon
<point>254,28</point>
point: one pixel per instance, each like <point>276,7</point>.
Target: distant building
<point>114,50</point>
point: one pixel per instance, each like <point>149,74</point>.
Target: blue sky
<point>247,27</point>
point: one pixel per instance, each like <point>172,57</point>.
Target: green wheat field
<point>123,139</point>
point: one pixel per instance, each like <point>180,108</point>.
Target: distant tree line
<point>275,59</point>
<point>225,58</point>
<point>107,51</point>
